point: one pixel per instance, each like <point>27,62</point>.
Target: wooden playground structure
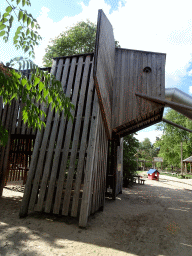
<point>70,165</point>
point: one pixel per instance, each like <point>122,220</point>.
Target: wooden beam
<point>163,101</point>
<point>176,125</point>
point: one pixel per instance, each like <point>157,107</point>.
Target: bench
<point>142,182</point>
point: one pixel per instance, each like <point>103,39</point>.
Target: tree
<point>130,145</point>
<point>42,87</point>
<point>147,151</point>
<point>170,142</point>
<point>78,39</point>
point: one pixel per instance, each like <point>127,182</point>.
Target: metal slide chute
<point>177,96</point>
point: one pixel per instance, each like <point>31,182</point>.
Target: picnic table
<point>140,181</point>
<point>138,177</point>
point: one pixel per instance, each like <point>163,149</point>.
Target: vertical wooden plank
<point>18,130</point>
<point>163,59</point>
<point>3,169</point>
<point>121,89</point>
<point>106,161</point>
<point>50,152</point>
<point>99,168</point>
<point>13,129</point>
<point>117,83</point>
<point>59,141</point>
<point>135,82</point>
<point>96,165</point>
<point>144,85</point>
<point>60,182</point>
<point>82,149</point>
<point>31,173</point>
<point>158,77</point>
<point>42,154</point>
<point>131,70</point>
<point>126,88</point>
<point>67,195</point>
<point>139,100</point>
<point>154,72</point>
<point>104,167</point>
<point>104,63</point>
<point>149,105</point>
<point>4,116</point>
<point>89,167</point>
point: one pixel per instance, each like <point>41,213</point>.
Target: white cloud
<point>190,89</point>
<point>164,26</point>
<point>149,134</point>
<point>50,29</point>
<point>190,73</point>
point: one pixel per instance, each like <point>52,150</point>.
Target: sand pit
<point>150,219</point>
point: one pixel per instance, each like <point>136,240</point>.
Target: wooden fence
<point>68,168</point>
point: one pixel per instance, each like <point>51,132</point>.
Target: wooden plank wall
<point>11,117</point>
<point>100,168</point>
<point>130,78</point>
<point>19,159</point>
<point>104,65</point>
<point>68,166</point>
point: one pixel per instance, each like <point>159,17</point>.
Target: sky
<point>159,26</point>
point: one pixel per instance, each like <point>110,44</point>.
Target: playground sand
<point>150,219</point>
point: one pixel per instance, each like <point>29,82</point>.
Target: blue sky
<point>160,26</point>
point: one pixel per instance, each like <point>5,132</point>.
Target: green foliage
<point>3,135</point>
<point>78,39</point>
<point>147,151</point>
<point>26,35</point>
<point>130,145</point>
<point>42,87</point>
<point>170,142</point>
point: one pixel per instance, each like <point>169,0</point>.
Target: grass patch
<point>139,172</point>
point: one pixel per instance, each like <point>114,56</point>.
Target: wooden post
<point>185,167</point>
<point>115,143</point>
<point>114,166</point>
<point>84,211</point>
<point>190,168</point>
<point>181,158</point>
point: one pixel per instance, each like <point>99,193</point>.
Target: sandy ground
<point>150,219</point>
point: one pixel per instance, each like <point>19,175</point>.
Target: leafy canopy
<point>78,39</point>
<point>42,87</point>
<point>130,145</point>
<point>170,142</point>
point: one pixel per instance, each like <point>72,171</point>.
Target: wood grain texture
<point>130,77</point>
<point>88,173</point>
<point>67,142</point>
<point>57,154</point>
<point>31,188</point>
<point>75,142</point>
<point>104,63</point>
<point>83,148</point>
